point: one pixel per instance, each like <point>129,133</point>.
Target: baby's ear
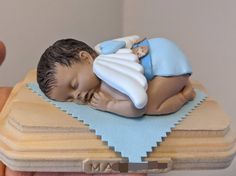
<point>85,57</point>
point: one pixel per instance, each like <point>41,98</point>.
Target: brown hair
<point>64,52</point>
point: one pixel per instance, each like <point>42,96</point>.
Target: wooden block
<point>4,93</point>
<point>34,134</point>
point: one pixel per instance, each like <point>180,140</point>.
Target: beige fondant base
<point>36,136</point>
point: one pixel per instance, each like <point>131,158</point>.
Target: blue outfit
<point>111,46</point>
<point>163,59</point>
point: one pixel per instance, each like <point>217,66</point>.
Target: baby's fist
<point>100,101</point>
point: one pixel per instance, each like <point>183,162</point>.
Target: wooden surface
<point>30,140</point>
<point>4,93</point>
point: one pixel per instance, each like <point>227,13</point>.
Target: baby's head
<point>64,72</point>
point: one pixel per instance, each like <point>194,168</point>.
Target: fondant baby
<point>70,70</point>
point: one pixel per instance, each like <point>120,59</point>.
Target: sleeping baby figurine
<point>127,76</point>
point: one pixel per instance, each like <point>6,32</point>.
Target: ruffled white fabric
<point>122,72</point>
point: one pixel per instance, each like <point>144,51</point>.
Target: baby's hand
<point>100,101</point>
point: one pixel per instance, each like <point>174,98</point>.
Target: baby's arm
<point>114,102</point>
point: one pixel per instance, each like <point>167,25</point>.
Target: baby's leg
<point>168,94</point>
<point>175,102</point>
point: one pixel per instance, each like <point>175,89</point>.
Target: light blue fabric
<point>167,58</point>
<point>146,61</point>
<point>132,137</point>
<point>164,58</point>
<point>111,46</point>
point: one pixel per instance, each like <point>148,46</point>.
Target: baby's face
<point>75,84</point>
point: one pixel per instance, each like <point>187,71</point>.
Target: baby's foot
<point>140,51</point>
<point>188,92</point>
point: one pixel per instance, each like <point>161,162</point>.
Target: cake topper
<point>128,76</point>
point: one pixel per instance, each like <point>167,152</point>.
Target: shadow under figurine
<point>127,76</point>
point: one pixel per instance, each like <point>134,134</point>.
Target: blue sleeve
<point>111,46</point>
